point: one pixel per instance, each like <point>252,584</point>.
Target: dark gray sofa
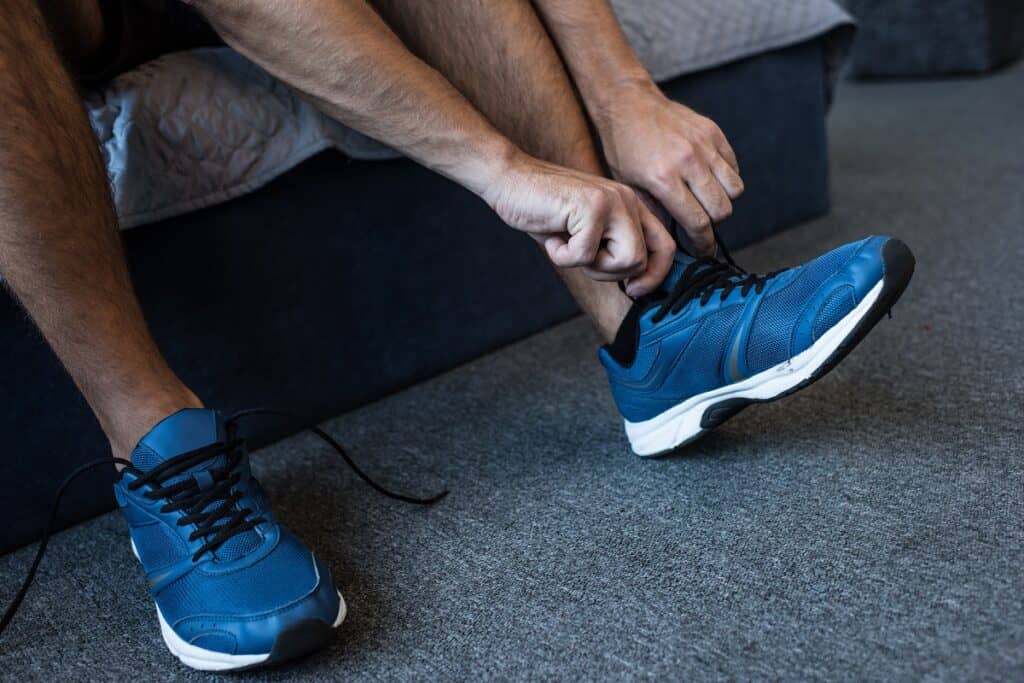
<point>934,37</point>
<point>342,281</point>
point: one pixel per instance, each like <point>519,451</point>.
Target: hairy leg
<point>500,57</point>
<point>76,26</point>
<point>60,251</point>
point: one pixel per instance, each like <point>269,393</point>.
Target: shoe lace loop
<point>208,496</point>
<point>703,277</point>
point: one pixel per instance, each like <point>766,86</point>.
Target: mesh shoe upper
<point>226,588</point>
<point>663,359</point>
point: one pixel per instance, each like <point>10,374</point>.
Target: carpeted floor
<point>870,527</point>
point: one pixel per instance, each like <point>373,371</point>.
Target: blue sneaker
<point>716,339</point>
<point>234,588</point>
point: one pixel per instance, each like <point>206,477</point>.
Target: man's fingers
<point>623,253</point>
<point>723,147</point>
<point>710,194</point>
<point>606,240</point>
<point>661,248</point>
<point>720,143</point>
<point>616,267</point>
<point>557,248</point>
<point>728,178</point>
<point>684,207</point>
<point>576,250</point>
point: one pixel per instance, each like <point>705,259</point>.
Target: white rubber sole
<point>682,423</point>
<point>211,660</point>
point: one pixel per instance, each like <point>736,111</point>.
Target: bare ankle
<point>131,420</point>
<point>608,319</point>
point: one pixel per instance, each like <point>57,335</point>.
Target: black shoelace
<point>705,276</point>
<point>211,506</point>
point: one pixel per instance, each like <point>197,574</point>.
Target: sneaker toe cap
<point>241,633</point>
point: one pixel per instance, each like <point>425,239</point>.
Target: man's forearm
<point>346,60</point>
<point>679,157</point>
<point>594,48</point>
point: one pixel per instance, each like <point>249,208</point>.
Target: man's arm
<point>681,158</point>
<point>343,57</point>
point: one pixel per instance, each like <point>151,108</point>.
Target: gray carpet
<point>869,527</point>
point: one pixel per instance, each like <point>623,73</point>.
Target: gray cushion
<point>675,37</point>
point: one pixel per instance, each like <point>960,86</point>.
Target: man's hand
<point>679,157</point>
<point>584,221</point>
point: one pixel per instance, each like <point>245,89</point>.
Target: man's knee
<point>21,27</point>
<point>77,27</point>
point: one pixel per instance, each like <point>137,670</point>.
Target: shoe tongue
<point>679,264</point>
<point>184,431</point>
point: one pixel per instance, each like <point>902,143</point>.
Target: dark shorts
<point>140,30</point>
